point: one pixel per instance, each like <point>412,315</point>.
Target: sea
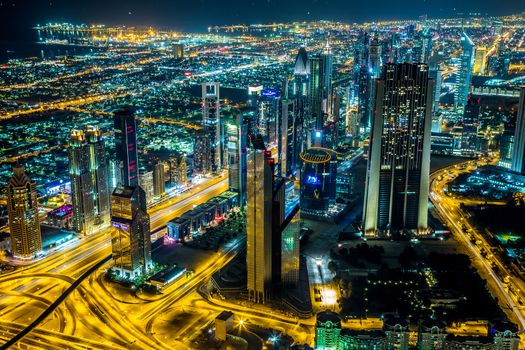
<point>27,49</point>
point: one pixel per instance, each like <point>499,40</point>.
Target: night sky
<point>17,16</point>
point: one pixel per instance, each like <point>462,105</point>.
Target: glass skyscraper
<point>396,197</point>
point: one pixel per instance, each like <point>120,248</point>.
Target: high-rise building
<point>299,95</point>
<point>432,335</point>
<point>159,181</point>
<point>125,127</point>
<point>480,60</point>
<point>518,152</point>
<point>146,183</point>
<point>397,183</point>
<point>397,333</point>
<point>178,170</point>
<point>260,170</point>
<point>236,139</point>
<point>469,138</point>
<point>22,209</point>
<point>290,137</point>
<point>319,92</point>
<point>506,146</point>
<point>327,331</point>
<point>211,121</point>
<point>435,73</point>
<point>318,180</point>
<point>464,74</point>
<point>88,171</point>
<point>269,116</point>
<point>202,154</point>
<point>290,251</point>
<point>130,238</point>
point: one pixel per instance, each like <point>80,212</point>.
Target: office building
<point>327,330</point>
<point>178,172</point>
<point>125,127</point>
<point>469,137</point>
<point>506,146</point>
<point>480,60</point>
<point>518,151</point>
<point>22,211</point>
<point>236,141</point>
<point>88,172</point>
<point>290,257</point>
<point>159,180</point>
<point>319,92</point>
<point>202,154</point>
<point>464,74</point>
<point>268,107</point>
<point>130,236</point>
<point>146,183</point>
<point>318,180</point>
<point>259,195</point>
<point>211,121</point>
<point>397,182</point>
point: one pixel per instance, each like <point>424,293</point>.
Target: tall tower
<point>202,154</point>
<point>125,127</point>
<point>518,149</point>
<point>130,238</point>
<point>236,138</point>
<point>211,121</point>
<point>469,137</point>
<point>260,168</point>
<point>299,93</point>
<point>88,171</point>
<point>22,208</point>
<point>268,118</point>
<point>320,90</point>
<point>464,74</point>
<point>397,183</point>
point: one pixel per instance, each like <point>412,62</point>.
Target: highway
<point>449,210</point>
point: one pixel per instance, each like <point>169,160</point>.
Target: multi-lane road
<point>480,252</point>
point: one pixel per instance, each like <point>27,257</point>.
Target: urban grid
<point>297,185</point>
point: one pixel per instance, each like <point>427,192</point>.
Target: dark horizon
<point>18,17</point>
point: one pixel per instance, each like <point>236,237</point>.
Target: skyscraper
<point>518,150</point>
<point>319,92</point>
<point>159,181</point>
<point>464,74</point>
<point>268,116</point>
<point>125,127</point>
<point>397,183</point>
<point>130,238</point>
<point>211,121</point>
<point>469,138</point>
<point>88,171</point>
<point>202,154</point>
<point>22,209</point>
<point>236,138</point>
<point>260,168</point>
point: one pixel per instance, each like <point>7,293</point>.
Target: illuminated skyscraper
<point>396,197</point>
<point>125,127</point>
<point>22,209</point>
<point>146,183</point>
<point>88,171</point>
<point>268,116</point>
<point>319,92</point>
<point>202,154</point>
<point>318,180</point>
<point>159,180</point>
<point>464,74</point>
<point>130,237</point>
<point>518,148</point>
<point>236,138</point>
<point>260,168</point>
<point>211,121</point>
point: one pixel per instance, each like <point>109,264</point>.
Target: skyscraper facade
<point>211,121</point>
<point>260,168</point>
<point>130,238</point>
<point>236,138</point>
<point>89,175</point>
<point>397,183</point>
<point>469,138</point>
<point>269,116</point>
<point>202,154</point>
<point>518,148</point>
<point>22,209</point>
<point>464,74</point>
<point>159,180</point>
<point>125,127</point>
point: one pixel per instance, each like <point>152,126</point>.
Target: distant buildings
<point>88,171</point>
<point>202,154</point>
<point>125,127</point>
<point>22,210</point>
<point>130,237</point>
<point>397,183</point>
<point>211,121</point>
<point>464,74</point>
